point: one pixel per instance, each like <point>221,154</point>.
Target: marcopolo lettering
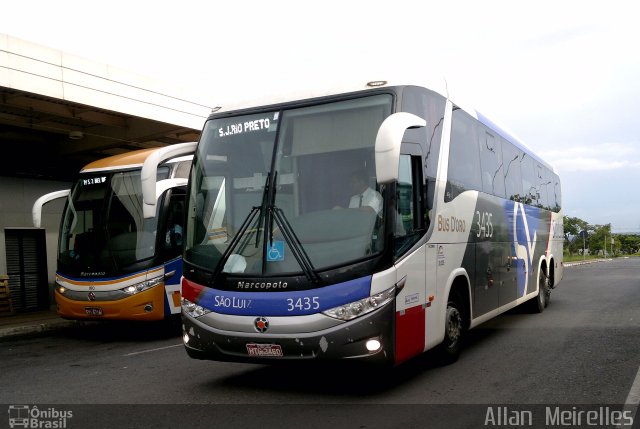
<point>261,285</point>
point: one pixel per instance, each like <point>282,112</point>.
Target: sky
<point>562,75</point>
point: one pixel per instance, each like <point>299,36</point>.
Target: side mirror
<point>149,173</point>
<point>163,185</point>
<point>388,143</point>
<point>36,211</point>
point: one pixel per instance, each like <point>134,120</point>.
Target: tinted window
<point>429,106</point>
<point>555,193</point>
<point>543,180</point>
<point>491,163</point>
<point>528,180</point>
<point>174,226</point>
<point>407,203</point>
<point>511,157</point>
<point>464,160</point>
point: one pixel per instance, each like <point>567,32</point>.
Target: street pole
<point>612,243</point>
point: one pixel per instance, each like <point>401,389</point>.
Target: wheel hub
<point>454,324</point>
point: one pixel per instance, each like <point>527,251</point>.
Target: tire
<point>547,288</point>
<point>454,331</point>
<point>540,302</point>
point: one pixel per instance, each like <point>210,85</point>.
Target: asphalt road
<point>583,352</point>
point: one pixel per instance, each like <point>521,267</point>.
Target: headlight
<point>193,309</point>
<point>61,289</point>
<point>361,307</point>
<point>142,286</point>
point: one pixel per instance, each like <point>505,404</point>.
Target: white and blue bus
<point>369,225</point>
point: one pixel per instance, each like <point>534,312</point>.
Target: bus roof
<point>437,85</point>
<point>119,162</point>
<point>280,97</point>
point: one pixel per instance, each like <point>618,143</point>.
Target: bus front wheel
<point>454,328</point>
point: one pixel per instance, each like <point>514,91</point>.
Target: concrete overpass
<point>59,111</point>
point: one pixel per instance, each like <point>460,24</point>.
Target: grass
<point>577,258</point>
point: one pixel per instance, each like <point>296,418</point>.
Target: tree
<point>573,226</point>
<point>627,243</point>
<point>600,238</point>
<point>595,237</point>
<point>574,230</point>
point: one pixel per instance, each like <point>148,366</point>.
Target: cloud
<point>591,164</point>
<point>602,157</point>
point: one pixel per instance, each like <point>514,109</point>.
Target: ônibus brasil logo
<point>25,416</point>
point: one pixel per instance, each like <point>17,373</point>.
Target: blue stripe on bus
<point>295,303</point>
<point>527,221</point>
<point>174,264</point>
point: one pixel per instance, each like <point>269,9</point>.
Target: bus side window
<point>529,191</point>
<point>173,239</point>
<point>464,157</point>
<point>512,171</point>
<point>557,196</point>
<point>491,163</point>
<point>409,203</point>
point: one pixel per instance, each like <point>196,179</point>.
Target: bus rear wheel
<point>544,293</point>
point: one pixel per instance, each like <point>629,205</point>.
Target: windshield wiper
<point>267,213</point>
<point>276,214</point>
<point>243,228</point>
<point>294,243</point>
<point>234,242</point>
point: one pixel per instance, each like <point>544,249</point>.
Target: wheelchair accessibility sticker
<point>275,251</point>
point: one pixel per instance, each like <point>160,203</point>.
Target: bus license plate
<point>93,311</point>
<point>264,350</point>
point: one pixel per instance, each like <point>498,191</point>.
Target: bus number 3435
<point>485,226</point>
<point>303,303</point>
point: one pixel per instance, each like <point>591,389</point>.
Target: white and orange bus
<point>120,242</point>
<point>371,225</point>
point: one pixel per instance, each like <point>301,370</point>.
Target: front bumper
<point>345,341</point>
<point>134,307</point>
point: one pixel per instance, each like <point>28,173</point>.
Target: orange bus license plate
<point>93,311</point>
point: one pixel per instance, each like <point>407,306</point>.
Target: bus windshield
<point>103,228</point>
<point>275,191</point>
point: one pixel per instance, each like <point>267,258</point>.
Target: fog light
<point>185,338</point>
<point>373,345</point>
<point>148,307</point>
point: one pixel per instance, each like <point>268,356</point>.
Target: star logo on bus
<point>91,296</point>
<point>261,324</point>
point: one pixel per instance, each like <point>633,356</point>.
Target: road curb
<point>33,329</point>
<point>591,261</point>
